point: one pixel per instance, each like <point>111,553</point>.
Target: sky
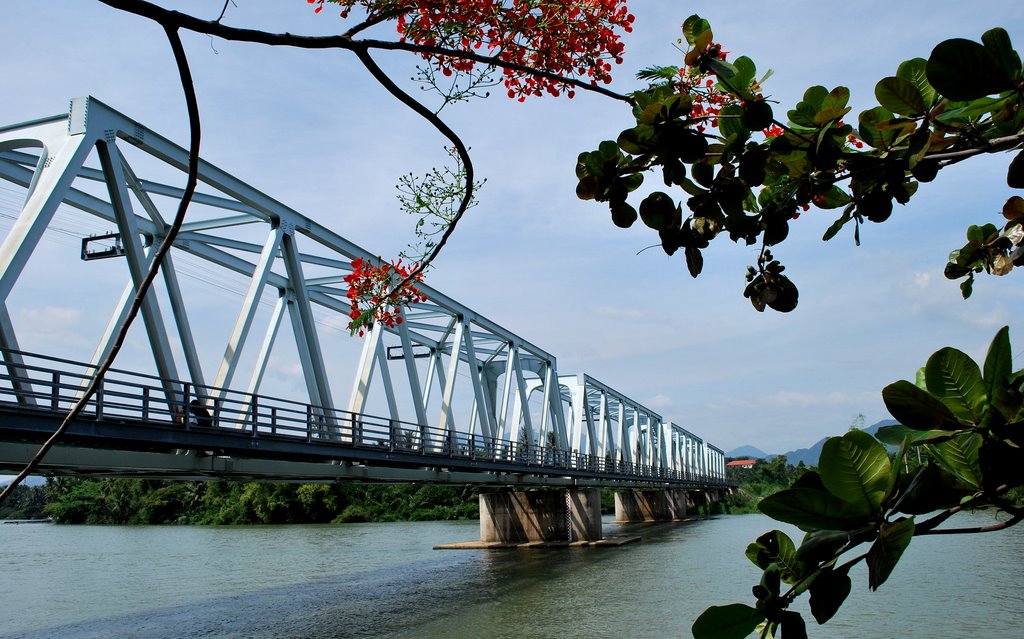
<point>314,131</point>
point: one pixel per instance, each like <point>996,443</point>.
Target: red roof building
<point>742,463</point>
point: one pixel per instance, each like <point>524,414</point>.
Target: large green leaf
<point>657,210</point>
<point>793,626</point>
<point>1015,174</point>
<point>893,539</point>
<point>956,380</point>
<point>735,621</point>
<point>810,509</point>
<point>828,592</point>
<point>930,489</point>
<point>997,41</point>
<point>917,409</point>
<point>897,434</point>
<point>914,70</point>
<point>776,548</point>
<point>900,96</point>
<point>963,70</point>
<point>998,362</point>
<point>872,127</point>
<point>693,27</point>
<point>855,468</point>
<point>959,457</point>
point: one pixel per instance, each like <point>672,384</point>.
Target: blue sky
<point>315,132</point>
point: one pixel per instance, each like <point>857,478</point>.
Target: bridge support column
<point>548,516</point>
<point>650,505</point>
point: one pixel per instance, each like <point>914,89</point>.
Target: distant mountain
<point>747,452</point>
<point>809,456</point>
<point>31,480</point>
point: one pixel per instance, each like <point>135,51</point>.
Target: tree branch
<point>980,529</point>
<point>192,105</point>
<point>994,145</point>
<point>460,148</point>
<point>191,23</point>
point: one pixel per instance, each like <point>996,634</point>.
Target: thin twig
<point>980,529</point>
<point>460,148</point>
<point>192,105</point>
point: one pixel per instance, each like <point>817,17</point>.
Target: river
<point>385,580</point>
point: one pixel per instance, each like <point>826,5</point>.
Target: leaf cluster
<point>755,176</point>
<point>969,421</point>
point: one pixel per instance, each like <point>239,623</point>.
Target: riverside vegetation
<point>72,500</point>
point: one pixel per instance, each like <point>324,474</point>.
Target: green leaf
<point>721,68</point>
<point>870,130</point>
<point>735,621</point>
<point>838,224</point>
<point>998,362</point>
<point>636,140</point>
<point>833,106</point>
<point>757,115</point>
<point>900,96</point>
<point>855,468</point>
<point>929,490</point>
<point>963,70</point>
<point>822,545</point>
<point>609,150</point>
<point>914,71</point>
<point>955,379</point>
<point>833,198</point>
<point>809,510</point>
<point>1014,207</point>
<point>623,215</point>
<point>745,72</point>
<point>959,457</point>
<point>895,435</point>
<point>893,539</point>
<point>694,260</point>
<point>657,73</point>
<point>997,41</point>
<point>1015,174</point>
<point>693,27</point>
<point>793,626</point>
<point>917,409</point>
<point>657,210</point>
<point>733,122</point>
<point>776,548</point>
<point>828,592</point>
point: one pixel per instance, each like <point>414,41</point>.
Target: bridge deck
<point>131,429</point>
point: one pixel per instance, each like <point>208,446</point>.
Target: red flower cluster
<point>570,38</point>
<point>373,297</point>
<point>708,100</point>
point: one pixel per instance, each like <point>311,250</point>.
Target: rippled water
<point>384,580</point>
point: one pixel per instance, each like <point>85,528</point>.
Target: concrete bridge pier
<point>651,505</point>
<point>541,516</point>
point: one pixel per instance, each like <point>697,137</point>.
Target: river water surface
<point>384,580</point>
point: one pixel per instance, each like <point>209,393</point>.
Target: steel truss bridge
<point>445,396</point>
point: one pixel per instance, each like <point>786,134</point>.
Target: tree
<point>970,423</point>
<point>758,173</point>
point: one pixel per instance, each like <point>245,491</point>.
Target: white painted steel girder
<point>447,351</point>
<point>466,354</point>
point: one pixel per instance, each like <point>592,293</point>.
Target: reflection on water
<point>384,580</point>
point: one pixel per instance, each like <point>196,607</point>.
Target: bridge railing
<point>52,385</point>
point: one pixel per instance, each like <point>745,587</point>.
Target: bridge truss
<point>445,379</point>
